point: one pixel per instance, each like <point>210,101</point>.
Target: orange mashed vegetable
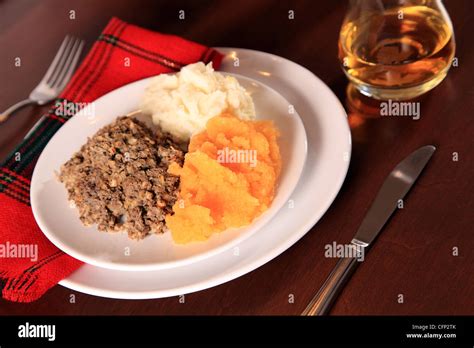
<point>217,194</point>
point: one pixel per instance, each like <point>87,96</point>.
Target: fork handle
<point>4,115</point>
<point>323,300</point>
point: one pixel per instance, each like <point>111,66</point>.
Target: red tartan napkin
<point>122,54</point>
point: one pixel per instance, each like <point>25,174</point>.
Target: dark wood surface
<point>414,254</point>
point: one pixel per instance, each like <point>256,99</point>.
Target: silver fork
<point>55,79</point>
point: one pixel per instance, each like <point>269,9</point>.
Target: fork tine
<point>56,59</point>
<point>71,61</point>
<point>72,66</point>
<point>62,61</point>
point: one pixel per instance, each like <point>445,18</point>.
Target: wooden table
<point>413,256</point>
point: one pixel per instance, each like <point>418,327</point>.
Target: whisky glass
<point>396,49</point>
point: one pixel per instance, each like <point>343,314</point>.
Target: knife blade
<point>394,188</point>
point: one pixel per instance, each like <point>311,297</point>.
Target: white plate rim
<point>257,261</point>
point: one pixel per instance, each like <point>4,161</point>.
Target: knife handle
<point>323,300</point>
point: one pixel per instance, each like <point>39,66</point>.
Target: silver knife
<point>394,188</point>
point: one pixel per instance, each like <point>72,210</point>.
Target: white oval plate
<point>329,150</point>
<point>59,220</point>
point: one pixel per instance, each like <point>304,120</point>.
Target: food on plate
<point>182,103</point>
<point>119,179</point>
<point>128,177</point>
<point>228,178</point>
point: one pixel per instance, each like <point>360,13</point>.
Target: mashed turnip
<point>220,192</point>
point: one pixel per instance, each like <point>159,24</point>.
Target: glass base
<point>398,93</point>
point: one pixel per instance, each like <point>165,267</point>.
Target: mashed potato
<point>182,103</point>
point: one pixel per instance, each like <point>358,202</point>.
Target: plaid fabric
<point>103,70</point>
